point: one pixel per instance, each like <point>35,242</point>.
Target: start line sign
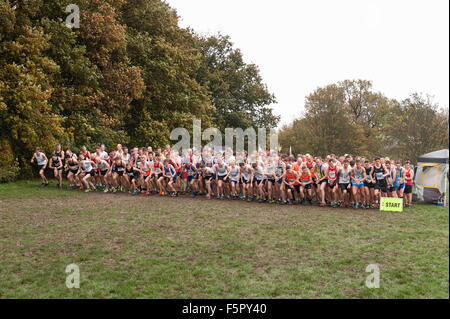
<point>391,204</point>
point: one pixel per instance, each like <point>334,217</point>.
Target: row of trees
<point>129,74</point>
<point>349,117</point>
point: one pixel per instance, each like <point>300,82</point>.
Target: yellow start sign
<point>391,204</point>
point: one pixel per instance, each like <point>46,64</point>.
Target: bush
<point>9,167</point>
<point>9,173</point>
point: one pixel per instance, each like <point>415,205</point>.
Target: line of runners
<point>261,176</point>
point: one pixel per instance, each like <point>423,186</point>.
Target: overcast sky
<point>401,45</point>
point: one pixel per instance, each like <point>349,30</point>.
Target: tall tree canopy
<point>240,97</point>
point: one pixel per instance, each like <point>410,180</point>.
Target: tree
<point>416,126</point>
<point>121,82</point>
<point>347,117</point>
<point>170,62</point>
<point>26,116</point>
<point>368,110</point>
<point>238,94</point>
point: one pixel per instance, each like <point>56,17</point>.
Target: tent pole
<point>445,192</point>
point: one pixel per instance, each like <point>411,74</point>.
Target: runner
<point>392,180</point>
<point>321,181</point>
<point>358,176</point>
<point>234,176</point>
<point>71,168</point>
<point>280,170</point>
<point>246,181</point>
<point>369,185</point>
<point>57,165</point>
<point>409,176</point>
<point>343,174</point>
<point>191,178</point>
<point>87,166</point>
<point>222,171</point>
<point>61,155</point>
<point>400,171</point>
<point>259,181</point>
<point>170,177</point>
<point>331,176</point>
<point>42,161</point>
<point>290,180</point>
<point>103,168</point>
<point>379,175</point>
<point>208,176</point>
<point>158,177</point>
<point>305,186</point>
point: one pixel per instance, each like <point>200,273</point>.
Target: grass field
<point>152,247</point>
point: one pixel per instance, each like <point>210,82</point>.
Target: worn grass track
<point>152,247</point>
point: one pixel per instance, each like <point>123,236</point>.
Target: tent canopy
<point>431,177</point>
<point>434,157</point>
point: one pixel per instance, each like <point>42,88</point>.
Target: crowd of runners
<point>265,177</point>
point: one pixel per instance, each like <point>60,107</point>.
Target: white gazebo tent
<point>431,177</point>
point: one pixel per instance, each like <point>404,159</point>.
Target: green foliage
<point>26,76</point>
<point>10,172</point>
<point>9,167</point>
